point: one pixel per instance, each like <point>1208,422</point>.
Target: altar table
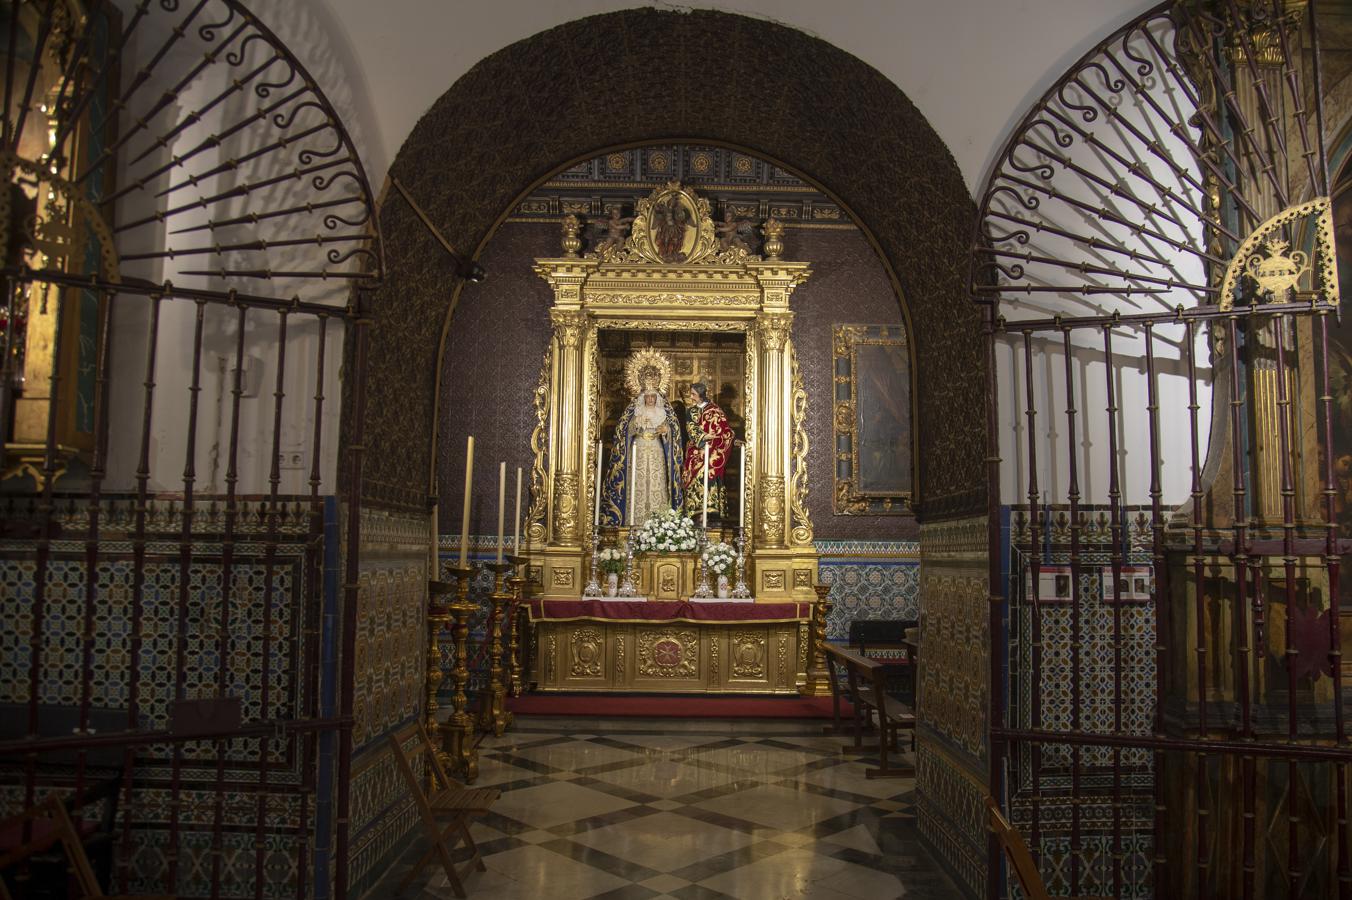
<point>670,646</point>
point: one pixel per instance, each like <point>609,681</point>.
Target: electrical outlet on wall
<point>291,459</point>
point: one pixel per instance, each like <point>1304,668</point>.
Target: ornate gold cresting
<point>670,267</point>
<point>1276,273</point>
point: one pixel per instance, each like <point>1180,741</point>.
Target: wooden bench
<point>866,682</point>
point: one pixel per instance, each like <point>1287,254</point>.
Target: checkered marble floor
<point>695,810</point>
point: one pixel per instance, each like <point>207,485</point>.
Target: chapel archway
<point>725,79</point>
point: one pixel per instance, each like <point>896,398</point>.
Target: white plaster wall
<point>972,68</point>
<point>1092,186</point>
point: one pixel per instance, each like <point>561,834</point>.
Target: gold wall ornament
<point>748,654</point>
<point>1276,273</point>
<point>587,652</point>
<point>673,226</point>
<point>668,653</point>
<point>772,510</point>
<point>565,507</point>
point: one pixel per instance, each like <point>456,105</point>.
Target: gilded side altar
<point>693,278</point>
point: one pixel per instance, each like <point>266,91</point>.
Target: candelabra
<point>741,591</point>
<point>627,587</point>
<point>703,591</point>
<point>493,714</point>
<point>459,741</point>
<point>593,588</point>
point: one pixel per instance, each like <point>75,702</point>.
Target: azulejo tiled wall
<point>270,603</point>
<point>869,580</point>
<point>1116,657</point>
<point>953,696</point>
<point>390,678</point>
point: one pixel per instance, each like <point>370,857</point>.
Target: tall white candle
<point>629,494</point>
<point>464,519</point>
<point>516,520</point>
<point>596,504</point>
<point>741,492</point>
<point>502,505</point>
<point>704,514</point>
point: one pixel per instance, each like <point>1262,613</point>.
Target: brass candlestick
<point>817,683</point>
<point>438,616</point>
<point>493,715</point>
<point>513,663</point>
<point>459,740</point>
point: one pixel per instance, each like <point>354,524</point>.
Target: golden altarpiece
<point>656,283</point>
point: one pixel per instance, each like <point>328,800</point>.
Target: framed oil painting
<point>874,440</point>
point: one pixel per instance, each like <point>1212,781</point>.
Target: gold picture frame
<point>874,432</point>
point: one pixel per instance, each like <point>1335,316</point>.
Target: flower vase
<point>612,584</point>
<point>722,587</point>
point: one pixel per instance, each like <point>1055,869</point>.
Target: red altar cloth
<point>666,611</point>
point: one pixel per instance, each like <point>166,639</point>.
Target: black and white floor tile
<point>694,810</point>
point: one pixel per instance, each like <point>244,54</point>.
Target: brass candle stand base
<point>438,617</point>
<point>817,683</point>
<point>459,741</point>
<point>493,714</point>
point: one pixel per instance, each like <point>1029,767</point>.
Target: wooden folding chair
<point>48,824</point>
<point>445,812</point>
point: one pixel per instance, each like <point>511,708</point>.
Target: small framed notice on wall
<point>1135,584</point>
<point>1053,584</point>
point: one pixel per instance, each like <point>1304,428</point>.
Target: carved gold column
<point>493,714</point>
<point>459,740</point>
<point>513,661</point>
<point>774,328</point>
<point>570,327</point>
<point>818,682</point>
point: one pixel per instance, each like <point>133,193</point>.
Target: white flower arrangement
<point>611,561</point>
<point>720,558</point>
<point>665,532</point>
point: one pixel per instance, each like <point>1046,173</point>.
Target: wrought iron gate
<point>1156,256</point>
<point>189,238</point>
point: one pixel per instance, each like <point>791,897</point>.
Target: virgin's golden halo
<point>644,365</point>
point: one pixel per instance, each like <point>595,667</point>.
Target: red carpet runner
<point>677,706</point>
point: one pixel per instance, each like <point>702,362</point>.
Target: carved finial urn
<point>774,238</point>
<point>571,242</point>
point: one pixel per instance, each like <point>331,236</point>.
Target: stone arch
<point>643,75</point>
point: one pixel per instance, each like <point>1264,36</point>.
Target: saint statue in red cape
<point>706,425</point>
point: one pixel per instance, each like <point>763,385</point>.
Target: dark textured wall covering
<point>705,76</point>
<point>500,330</point>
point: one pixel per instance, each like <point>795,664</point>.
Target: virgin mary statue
<point>646,454</point>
